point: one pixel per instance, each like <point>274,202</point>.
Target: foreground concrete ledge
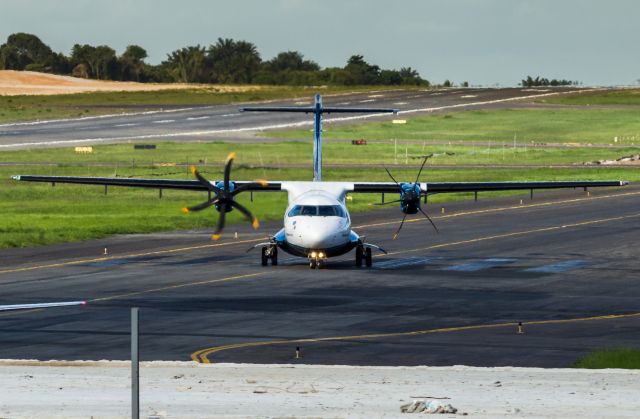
<point>105,363</point>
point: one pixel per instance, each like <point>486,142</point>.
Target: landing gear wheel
<point>274,256</point>
<point>312,264</point>
<point>265,258</point>
<point>367,257</point>
<point>359,251</point>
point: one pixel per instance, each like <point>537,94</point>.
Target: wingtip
<point>231,156</point>
<point>215,237</point>
<point>263,183</point>
<point>193,170</point>
<point>16,177</point>
<point>255,224</point>
<point>185,210</point>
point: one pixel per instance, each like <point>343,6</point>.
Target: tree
<point>233,61</point>
<point>290,60</point>
<point>23,49</point>
<point>131,63</point>
<point>187,65</point>
<point>100,61</point>
<point>361,72</point>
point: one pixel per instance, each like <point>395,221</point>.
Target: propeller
<point>224,195</point>
<point>410,195</point>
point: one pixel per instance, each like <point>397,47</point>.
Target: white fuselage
<point>317,220</point>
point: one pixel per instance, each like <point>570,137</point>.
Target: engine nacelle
<point>410,198</point>
<point>232,187</point>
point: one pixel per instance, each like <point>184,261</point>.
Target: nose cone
<point>317,233</point>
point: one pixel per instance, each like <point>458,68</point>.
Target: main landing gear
<point>363,253</point>
<point>270,252</point>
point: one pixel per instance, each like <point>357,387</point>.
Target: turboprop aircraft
<point>317,225</point>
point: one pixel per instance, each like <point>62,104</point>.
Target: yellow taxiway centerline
<point>206,246</point>
<point>202,356</point>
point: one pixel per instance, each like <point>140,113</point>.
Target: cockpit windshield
<point>317,210</point>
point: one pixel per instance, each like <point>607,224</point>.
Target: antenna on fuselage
<point>317,109</point>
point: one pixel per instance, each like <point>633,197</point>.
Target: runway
<point>564,264</point>
<point>202,123</point>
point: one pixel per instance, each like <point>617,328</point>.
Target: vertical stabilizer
<point>317,111</point>
<point>317,139</point>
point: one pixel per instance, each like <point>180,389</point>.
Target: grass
<point>380,153</point>
<point>583,126</point>
<point>627,358</point>
<point>616,97</point>
<point>28,108</point>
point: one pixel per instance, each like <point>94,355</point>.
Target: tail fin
<point>317,110</point>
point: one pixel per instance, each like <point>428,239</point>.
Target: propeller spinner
<point>224,194</point>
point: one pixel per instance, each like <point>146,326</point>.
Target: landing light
<point>313,254</point>
<point>320,255</point>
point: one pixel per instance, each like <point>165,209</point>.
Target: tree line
<point>541,81</point>
<point>226,61</point>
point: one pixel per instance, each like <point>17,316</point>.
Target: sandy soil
<point>32,83</point>
<point>189,390</point>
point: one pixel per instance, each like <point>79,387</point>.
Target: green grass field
<point>26,108</point>
<point>334,152</point>
<point>627,358</point>
<point>597,126</point>
<point>616,97</point>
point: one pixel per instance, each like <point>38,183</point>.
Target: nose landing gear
<point>317,260</point>
<point>363,253</point>
<point>270,252</point>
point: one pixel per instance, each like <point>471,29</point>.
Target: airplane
<point>317,225</point>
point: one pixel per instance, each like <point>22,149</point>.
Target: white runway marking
<point>126,125</point>
<point>164,121</point>
<point>367,100</point>
<point>400,103</point>
<point>195,118</point>
<point>375,96</point>
<point>88,118</point>
<point>480,265</point>
<point>468,96</point>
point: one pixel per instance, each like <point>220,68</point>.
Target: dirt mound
<point>14,83</point>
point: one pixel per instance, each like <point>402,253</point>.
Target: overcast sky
<point>482,41</point>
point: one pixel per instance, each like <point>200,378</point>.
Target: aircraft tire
<point>265,259</point>
<point>359,256</point>
<point>367,257</point>
<point>274,257</point>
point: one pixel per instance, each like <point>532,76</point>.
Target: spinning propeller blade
<point>408,198</point>
<point>224,197</point>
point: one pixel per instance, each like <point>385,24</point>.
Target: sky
<point>484,42</point>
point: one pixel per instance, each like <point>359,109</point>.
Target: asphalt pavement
<point>564,264</point>
<point>216,122</point>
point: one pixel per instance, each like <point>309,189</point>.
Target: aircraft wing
<point>449,187</point>
<point>192,185</point>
